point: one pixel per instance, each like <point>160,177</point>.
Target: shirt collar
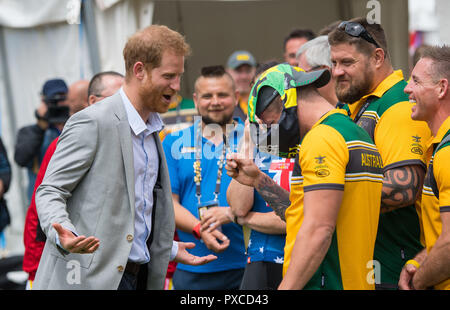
<point>138,126</point>
<point>333,111</point>
<point>379,91</point>
<point>445,127</point>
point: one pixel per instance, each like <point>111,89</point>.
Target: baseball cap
<point>282,80</point>
<point>53,87</point>
<point>241,58</point>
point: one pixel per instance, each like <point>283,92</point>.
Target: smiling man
<point>366,81</point>
<point>196,160</point>
<point>429,90</point>
<point>108,177</point>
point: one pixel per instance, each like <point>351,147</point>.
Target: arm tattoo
<point>401,187</point>
<point>276,197</point>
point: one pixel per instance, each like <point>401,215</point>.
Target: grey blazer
<point>89,189</point>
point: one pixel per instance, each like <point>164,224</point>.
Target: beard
<point>152,96</point>
<point>356,89</point>
<point>222,121</point>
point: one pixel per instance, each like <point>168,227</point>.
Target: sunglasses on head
<point>357,30</point>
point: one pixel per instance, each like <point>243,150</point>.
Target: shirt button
<point>129,237</point>
<point>120,268</point>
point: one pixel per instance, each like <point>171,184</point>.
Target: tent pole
<point>87,11</point>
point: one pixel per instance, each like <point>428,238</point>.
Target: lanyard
<point>198,168</point>
<point>364,108</point>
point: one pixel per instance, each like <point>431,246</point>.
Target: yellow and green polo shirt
<point>436,190</point>
<point>401,141</point>
<point>337,154</point>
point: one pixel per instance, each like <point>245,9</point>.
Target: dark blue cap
<point>53,87</point>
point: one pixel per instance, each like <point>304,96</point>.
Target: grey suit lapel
<point>124,131</point>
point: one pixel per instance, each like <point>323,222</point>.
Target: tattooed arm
<point>276,197</point>
<point>247,173</point>
<point>401,187</point>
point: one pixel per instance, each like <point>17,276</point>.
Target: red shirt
<point>33,247</point>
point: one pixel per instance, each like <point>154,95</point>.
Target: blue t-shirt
<point>262,246</point>
<point>180,153</point>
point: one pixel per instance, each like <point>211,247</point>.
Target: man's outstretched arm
<point>247,173</point>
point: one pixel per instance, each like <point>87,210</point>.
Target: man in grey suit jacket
<point>108,180</point>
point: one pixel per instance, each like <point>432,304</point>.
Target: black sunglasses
<point>357,30</point>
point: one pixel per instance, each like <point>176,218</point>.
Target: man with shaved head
<point>77,96</point>
<point>102,85</point>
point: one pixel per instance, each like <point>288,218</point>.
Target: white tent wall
<point>33,56</point>
<point>32,13</point>
<point>114,24</point>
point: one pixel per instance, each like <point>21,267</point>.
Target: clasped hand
<point>213,237</point>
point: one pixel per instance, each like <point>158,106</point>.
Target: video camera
<point>56,113</point>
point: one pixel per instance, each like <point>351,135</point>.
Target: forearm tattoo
<point>276,197</point>
<point>401,187</point>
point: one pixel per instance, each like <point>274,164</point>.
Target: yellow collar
<point>440,134</point>
<point>379,91</point>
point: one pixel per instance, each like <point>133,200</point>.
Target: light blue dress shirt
<point>146,166</point>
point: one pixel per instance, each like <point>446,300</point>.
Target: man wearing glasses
<point>374,97</point>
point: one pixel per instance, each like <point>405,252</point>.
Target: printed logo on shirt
<point>416,147</point>
<point>321,170</point>
<point>320,159</point>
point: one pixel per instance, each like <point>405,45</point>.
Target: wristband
<point>196,231</point>
<point>413,262</point>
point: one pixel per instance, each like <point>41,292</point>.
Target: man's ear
<point>443,88</point>
<point>91,99</point>
<point>139,70</point>
<point>195,99</point>
<point>379,57</point>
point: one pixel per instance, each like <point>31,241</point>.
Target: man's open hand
<point>76,244</point>
<point>184,257</point>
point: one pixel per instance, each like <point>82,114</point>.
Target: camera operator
<point>33,140</point>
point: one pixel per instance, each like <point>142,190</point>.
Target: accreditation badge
<point>204,206</point>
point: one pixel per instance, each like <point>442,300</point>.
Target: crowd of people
<point>323,171</point>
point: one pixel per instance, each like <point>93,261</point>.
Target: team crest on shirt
<point>416,147</point>
<point>321,170</point>
<point>320,159</point>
